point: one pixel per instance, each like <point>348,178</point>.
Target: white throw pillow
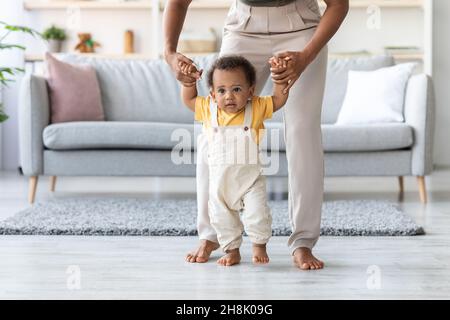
<point>375,96</point>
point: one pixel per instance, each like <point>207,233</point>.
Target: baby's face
<point>231,90</point>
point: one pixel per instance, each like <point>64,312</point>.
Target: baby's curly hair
<point>232,62</point>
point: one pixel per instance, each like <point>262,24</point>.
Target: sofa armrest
<point>420,115</point>
<point>34,116</point>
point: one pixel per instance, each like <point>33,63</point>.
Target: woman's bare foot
<point>260,254</point>
<point>232,257</point>
<point>201,255</point>
<point>304,259</point>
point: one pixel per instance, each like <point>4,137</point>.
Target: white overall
<point>236,183</point>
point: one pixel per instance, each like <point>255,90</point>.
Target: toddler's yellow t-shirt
<point>262,109</point>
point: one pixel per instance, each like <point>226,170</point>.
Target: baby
<point>233,119</point>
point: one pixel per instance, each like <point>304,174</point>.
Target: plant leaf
<point>6,70</point>
<point>11,46</point>
<point>22,29</point>
<point>3,115</point>
<point>4,80</point>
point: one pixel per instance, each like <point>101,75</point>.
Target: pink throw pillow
<point>74,92</point>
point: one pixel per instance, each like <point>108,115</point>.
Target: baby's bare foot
<point>304,259</point>
<point>232,257</point>
<point>260,254</point>
<point>201,255</point>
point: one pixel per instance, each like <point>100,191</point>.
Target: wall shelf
<point>198,4</point>
<point>32,57</point>
<point>384,3</point>
<point>55,5</point>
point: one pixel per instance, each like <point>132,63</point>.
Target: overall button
<point>246,128</point>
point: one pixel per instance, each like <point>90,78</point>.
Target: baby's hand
<point>277,62</point>
<point>189,69</point>
<point>278,69</point>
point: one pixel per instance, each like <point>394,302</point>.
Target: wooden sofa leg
<point>400,184</point>
<point>422,189</point>
<point>52,183</point>
<point>32,188</point>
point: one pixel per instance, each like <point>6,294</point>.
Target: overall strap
<point>213,109</point>
<point>248,113</point>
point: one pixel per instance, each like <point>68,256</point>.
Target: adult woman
<point>259,30</point>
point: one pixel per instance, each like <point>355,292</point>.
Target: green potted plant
<point>7,73</point>
<point>55,36</point>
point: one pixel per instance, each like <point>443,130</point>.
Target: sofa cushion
<point>74,92</point>
<point>136,135</point>
<point>115,135</point>
<point>369,137</point>
<point>141,90</point>
<point>375,96</point>
<point>349,138</point>
<point>165,136</point>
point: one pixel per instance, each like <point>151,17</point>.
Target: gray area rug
<point>137,216</point>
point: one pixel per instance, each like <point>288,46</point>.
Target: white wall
<point>441,75</point>
<point>11,12</point>
<point>108,27</point>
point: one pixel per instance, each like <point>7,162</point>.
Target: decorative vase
<point>54,45</point>
<point>128,42</point>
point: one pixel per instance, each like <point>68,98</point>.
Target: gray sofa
<point>143,108</point>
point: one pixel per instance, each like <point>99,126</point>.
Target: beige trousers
<point>258,33</point>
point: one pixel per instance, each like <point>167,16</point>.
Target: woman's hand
<point>297,61</point>
<point>184,68</point>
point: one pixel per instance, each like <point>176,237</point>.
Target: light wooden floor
<point>74,267</point>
